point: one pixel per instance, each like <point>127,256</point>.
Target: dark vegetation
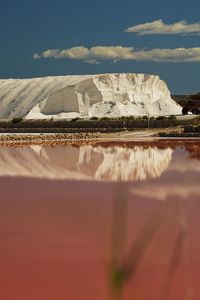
<point>17,120</point>
<point>190,103</point>
<point>181,99</point>
<point>92,125</point>
<point>187,131</point>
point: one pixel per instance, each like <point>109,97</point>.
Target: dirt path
<point>147,134</point>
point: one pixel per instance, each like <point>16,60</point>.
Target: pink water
<point>117,221</point>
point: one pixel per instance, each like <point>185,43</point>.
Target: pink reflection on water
<point>63,239</point>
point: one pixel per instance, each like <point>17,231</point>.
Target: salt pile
<point>110,95</point>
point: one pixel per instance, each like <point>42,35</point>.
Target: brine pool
<point>112,220</point>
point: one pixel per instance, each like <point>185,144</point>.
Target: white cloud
<point>50,53</point>
<point>73,53</point>
<point>36,56</point>
<point>159,27</point>
<point>119,53</point>
<point>92,61</point>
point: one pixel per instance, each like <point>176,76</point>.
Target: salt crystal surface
<point>110,95</point>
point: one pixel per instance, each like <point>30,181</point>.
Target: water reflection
<point>137,262</point>
<point>118,162</point>
<point>98,237</point>
<point>86,162</point>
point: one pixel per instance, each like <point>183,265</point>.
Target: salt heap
<point>110,95</point>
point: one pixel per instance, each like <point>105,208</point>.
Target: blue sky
<point>29,27</point>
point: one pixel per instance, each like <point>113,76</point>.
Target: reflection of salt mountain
<point>85,162</point>
<point>119,164</point>
<point>181,180</point>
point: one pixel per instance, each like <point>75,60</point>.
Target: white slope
<point>85,163</point>
<point>85,96</point>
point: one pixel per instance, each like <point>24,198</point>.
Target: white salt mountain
<point>109,95</point>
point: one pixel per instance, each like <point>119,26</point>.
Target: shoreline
<point>12,139</point>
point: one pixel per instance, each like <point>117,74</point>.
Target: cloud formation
<point>97,54</point>
<point>159,27</point>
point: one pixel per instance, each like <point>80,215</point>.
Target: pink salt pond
<point>98,222</point>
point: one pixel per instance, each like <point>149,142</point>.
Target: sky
<point>43,38</point>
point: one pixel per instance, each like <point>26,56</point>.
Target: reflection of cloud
<point>163,191</point>
<point>159,27</point>
<point>114,163</point>
<point>188,165</point>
